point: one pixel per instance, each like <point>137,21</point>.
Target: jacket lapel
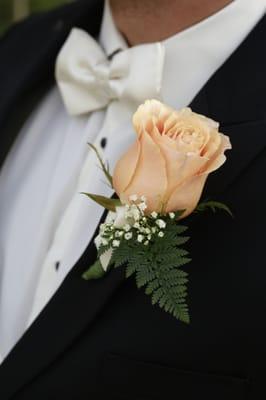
<point>24,84</point>
<point>77,303</point>
<point>235,96</point>
<point>70,312</point>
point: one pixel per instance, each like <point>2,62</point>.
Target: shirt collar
<point>110,38</point>
<point>193,55</point>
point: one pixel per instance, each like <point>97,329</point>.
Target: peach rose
<point>171,159</point>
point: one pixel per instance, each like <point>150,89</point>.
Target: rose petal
<point>179,166</point>
<point>187,196</point>
<point>149,179</point>
<point>149,114</point>
<point>218,158</point>
<point>212,145</point>
<point>125,168</point>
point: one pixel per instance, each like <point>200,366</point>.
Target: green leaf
<point>95,271</point>
<point>213,206</point>
<point>181,240</point>
<point>157,269</point>
<point>106,202</point>
<point>180,229</point>
<point>120,255</point>
<point>104,168</point>
<point>130,270</point>
<point>144,276</point>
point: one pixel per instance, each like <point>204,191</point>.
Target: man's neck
<point>144,21</point>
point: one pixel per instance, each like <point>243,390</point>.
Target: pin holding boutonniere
<point>158,181</point>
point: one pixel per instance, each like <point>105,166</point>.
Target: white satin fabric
<point>44,219</point>
<point>88,81</point>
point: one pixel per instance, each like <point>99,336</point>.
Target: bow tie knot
<point>110,74</point>
<point>89,81</point>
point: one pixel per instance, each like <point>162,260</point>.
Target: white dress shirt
<point>45,223</point>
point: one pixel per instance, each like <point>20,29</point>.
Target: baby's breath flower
<point>161,234</point>
<point>161,223</point>
<point>109,218</point>
<point>149,237</point>
<point>172,215</point>
<point>140,238</point>
<point>142,206</point>
<point>136,215</point>
<point>146,243</point>
<point>102,227</point>
<point>154,229</point>
<point>136,225</point>
<point>104,241</point>
<point>116,243</point>
<point>119,234</point>
<point>154,214</point>
<point>147,230</point>
<point>127,227</point>
<point>128,236</point>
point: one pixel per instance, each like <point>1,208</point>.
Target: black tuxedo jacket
<point>103,339</point>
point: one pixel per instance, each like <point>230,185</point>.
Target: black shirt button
<point>103,143</point>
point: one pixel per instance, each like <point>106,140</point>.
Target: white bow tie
<point>88,81</point>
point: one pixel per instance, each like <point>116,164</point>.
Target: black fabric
<point>103,338</point>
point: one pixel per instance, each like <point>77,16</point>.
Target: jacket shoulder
<point>34,29</point>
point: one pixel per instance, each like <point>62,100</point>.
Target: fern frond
<point>157,268</point>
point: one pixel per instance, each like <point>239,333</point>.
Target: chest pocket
<point>128,379</point>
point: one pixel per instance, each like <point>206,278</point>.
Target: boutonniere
<point>158,182</point>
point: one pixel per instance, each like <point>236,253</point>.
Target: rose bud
<point>173,155</point>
